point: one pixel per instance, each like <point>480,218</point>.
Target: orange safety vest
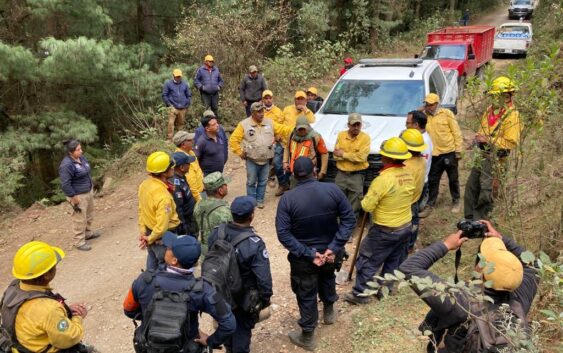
<point>303,149</point>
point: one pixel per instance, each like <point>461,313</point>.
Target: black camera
<point>472,229</point>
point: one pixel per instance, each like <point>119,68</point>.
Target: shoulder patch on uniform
<point>179,194</point>
<point>62,325</point>
<point>255,239</point>
<point>176,181</point>
<point>265,253</point>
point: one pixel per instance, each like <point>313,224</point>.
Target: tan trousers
<point>175,119</point>
<point>82,221</point>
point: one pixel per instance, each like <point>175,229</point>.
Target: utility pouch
<point>251,302</point>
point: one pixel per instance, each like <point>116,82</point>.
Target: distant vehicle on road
<point>465,49</point>
<point>521,9</point>
<point>513,38</point>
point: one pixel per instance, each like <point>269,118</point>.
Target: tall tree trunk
<point>452,6</point>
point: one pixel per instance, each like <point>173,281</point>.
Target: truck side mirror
<point>471,56</point>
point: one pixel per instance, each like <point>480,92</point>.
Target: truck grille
<point>373,170</point>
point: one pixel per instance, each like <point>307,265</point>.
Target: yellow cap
<point>208,58</point>
<point>159,162</point>
<point>432,98</point>
<point>313,90</point>
<point>502,84</point>
<point>267,93</point>
<point>177,72</point>
<point>395,148</point>
<point>508,272</point>
<point>300,94</point>
<point>35,259</point>
<point>414,140</point>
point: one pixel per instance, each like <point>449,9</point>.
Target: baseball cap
<point>302,167</point>
<point>313,90</point>
<point>214,181</point>
<point>354,118</point>
<point>302,122</point>
<point>177,72</point>
<point>508,272</point>
<point>180,158</point>
<point>182,136</point>
<point>208,58</point>
<point>267,93</point>
<point>185,248</point>
<point>209,113</point>
<point>432,98</point>
<point>252,68</point>
<point>348,60</point>
<point>300,94</point>
<point>256,106</point>
<point>243,206</point>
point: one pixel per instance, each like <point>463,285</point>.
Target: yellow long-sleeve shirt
<point>157,209</point>
<point>417,167</point>
<point>194,176</point>
<point>43,321</point>
<point>389,197</point>
<point>275,114</point>
<point>356,151</point>
<point>507,136</point>
<point>290,114</point>
<point>444,132</point>
<point>235,141</point>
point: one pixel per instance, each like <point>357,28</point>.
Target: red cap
<point>348,60</point>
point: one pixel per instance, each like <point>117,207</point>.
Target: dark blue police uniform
<point>185,204</point>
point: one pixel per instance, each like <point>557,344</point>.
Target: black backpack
<point>220,266</point>
<point>166,321</point>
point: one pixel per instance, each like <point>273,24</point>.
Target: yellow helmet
<point>414,140</point>
<point>502,84</point>
<point>35,259</point>
<point>159,162</point>
<point>395,148</point>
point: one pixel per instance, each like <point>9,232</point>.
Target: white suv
<point>383,91</point>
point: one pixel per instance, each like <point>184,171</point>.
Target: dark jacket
<point>185,203</point>
<point>176,94</point>
<point>314,217</point>
<point>203,297</point>
<point>253,260</point>
<point>251,88</point>
<point>210,154</point>
<point>449,315</point>
<point>200,130</point>
<point>75,177</point>
<point>208,81</point>
<point>315,104</point>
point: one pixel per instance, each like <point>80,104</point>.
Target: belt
<point>353,172</point>
<point>392,229</point>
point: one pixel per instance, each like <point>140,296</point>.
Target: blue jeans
<point>256,179</point>
<point>155,256</point>
<point>424,197</point>
<point>281,174</point>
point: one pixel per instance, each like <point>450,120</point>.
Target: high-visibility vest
<point>300,149</point>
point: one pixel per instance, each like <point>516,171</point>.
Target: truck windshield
<point>521,2</point>
<point>435,52</point>
<point>368,97</point>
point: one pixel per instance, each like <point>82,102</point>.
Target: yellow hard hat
<point>395,148</point>
<point>502,84</point>
<point>177,73</point>
<point>35,259</point>
<point>508,272</point>
<point>208,58</point>
<point>414,140</point>
<point>159,162</point>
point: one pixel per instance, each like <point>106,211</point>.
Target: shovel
<point>344,276</point>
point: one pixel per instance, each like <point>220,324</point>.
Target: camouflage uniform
<point>211,212</point>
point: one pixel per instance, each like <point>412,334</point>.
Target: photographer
<point>512,283</point>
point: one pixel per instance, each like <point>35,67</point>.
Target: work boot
<point>351,298</point>
<point>93,235</point>
<point>456,208</point>
<point>329,315</point>
<point>260,205</point>
<point>303,339</point>
<point>425,212</point>
<point>282,189</point>
<point>84,247</point>
<point>272,182</point>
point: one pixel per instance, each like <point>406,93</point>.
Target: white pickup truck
<point>383,91</point>
<point>513,38</point>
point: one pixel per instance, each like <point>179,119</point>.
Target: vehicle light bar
<point>390,62</point>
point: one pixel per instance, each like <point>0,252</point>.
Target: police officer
<point>315,234</point>
<point>183,198</point>
<point>37,319</point>
<point>254,266</point>
<point>157,209</point>
<point>182,253</point>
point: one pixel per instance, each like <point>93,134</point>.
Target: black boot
<point>303,339</point>
<point>329,315</point>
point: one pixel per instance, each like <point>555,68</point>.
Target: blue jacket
<point>208,81</point>
<point>185,202</point>
<point>75,177</point>
<point>177,95</point>
<point>253,260</point>
<point>200,130</point>
<point>203,298</point>
<point>314,217</point>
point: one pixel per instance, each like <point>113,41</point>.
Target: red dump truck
<point>466,49</point>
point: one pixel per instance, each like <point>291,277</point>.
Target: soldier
<point>254,266</point>
<point>313,222</point>
<point>183,198</point>
<point>213,210</point>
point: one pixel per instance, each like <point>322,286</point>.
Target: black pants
<point>478,198</point>
<point>239,342</point>
<point>211,101</point>
<point>247,107</point>
<point>308,280</point>
<point>444,162</point>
